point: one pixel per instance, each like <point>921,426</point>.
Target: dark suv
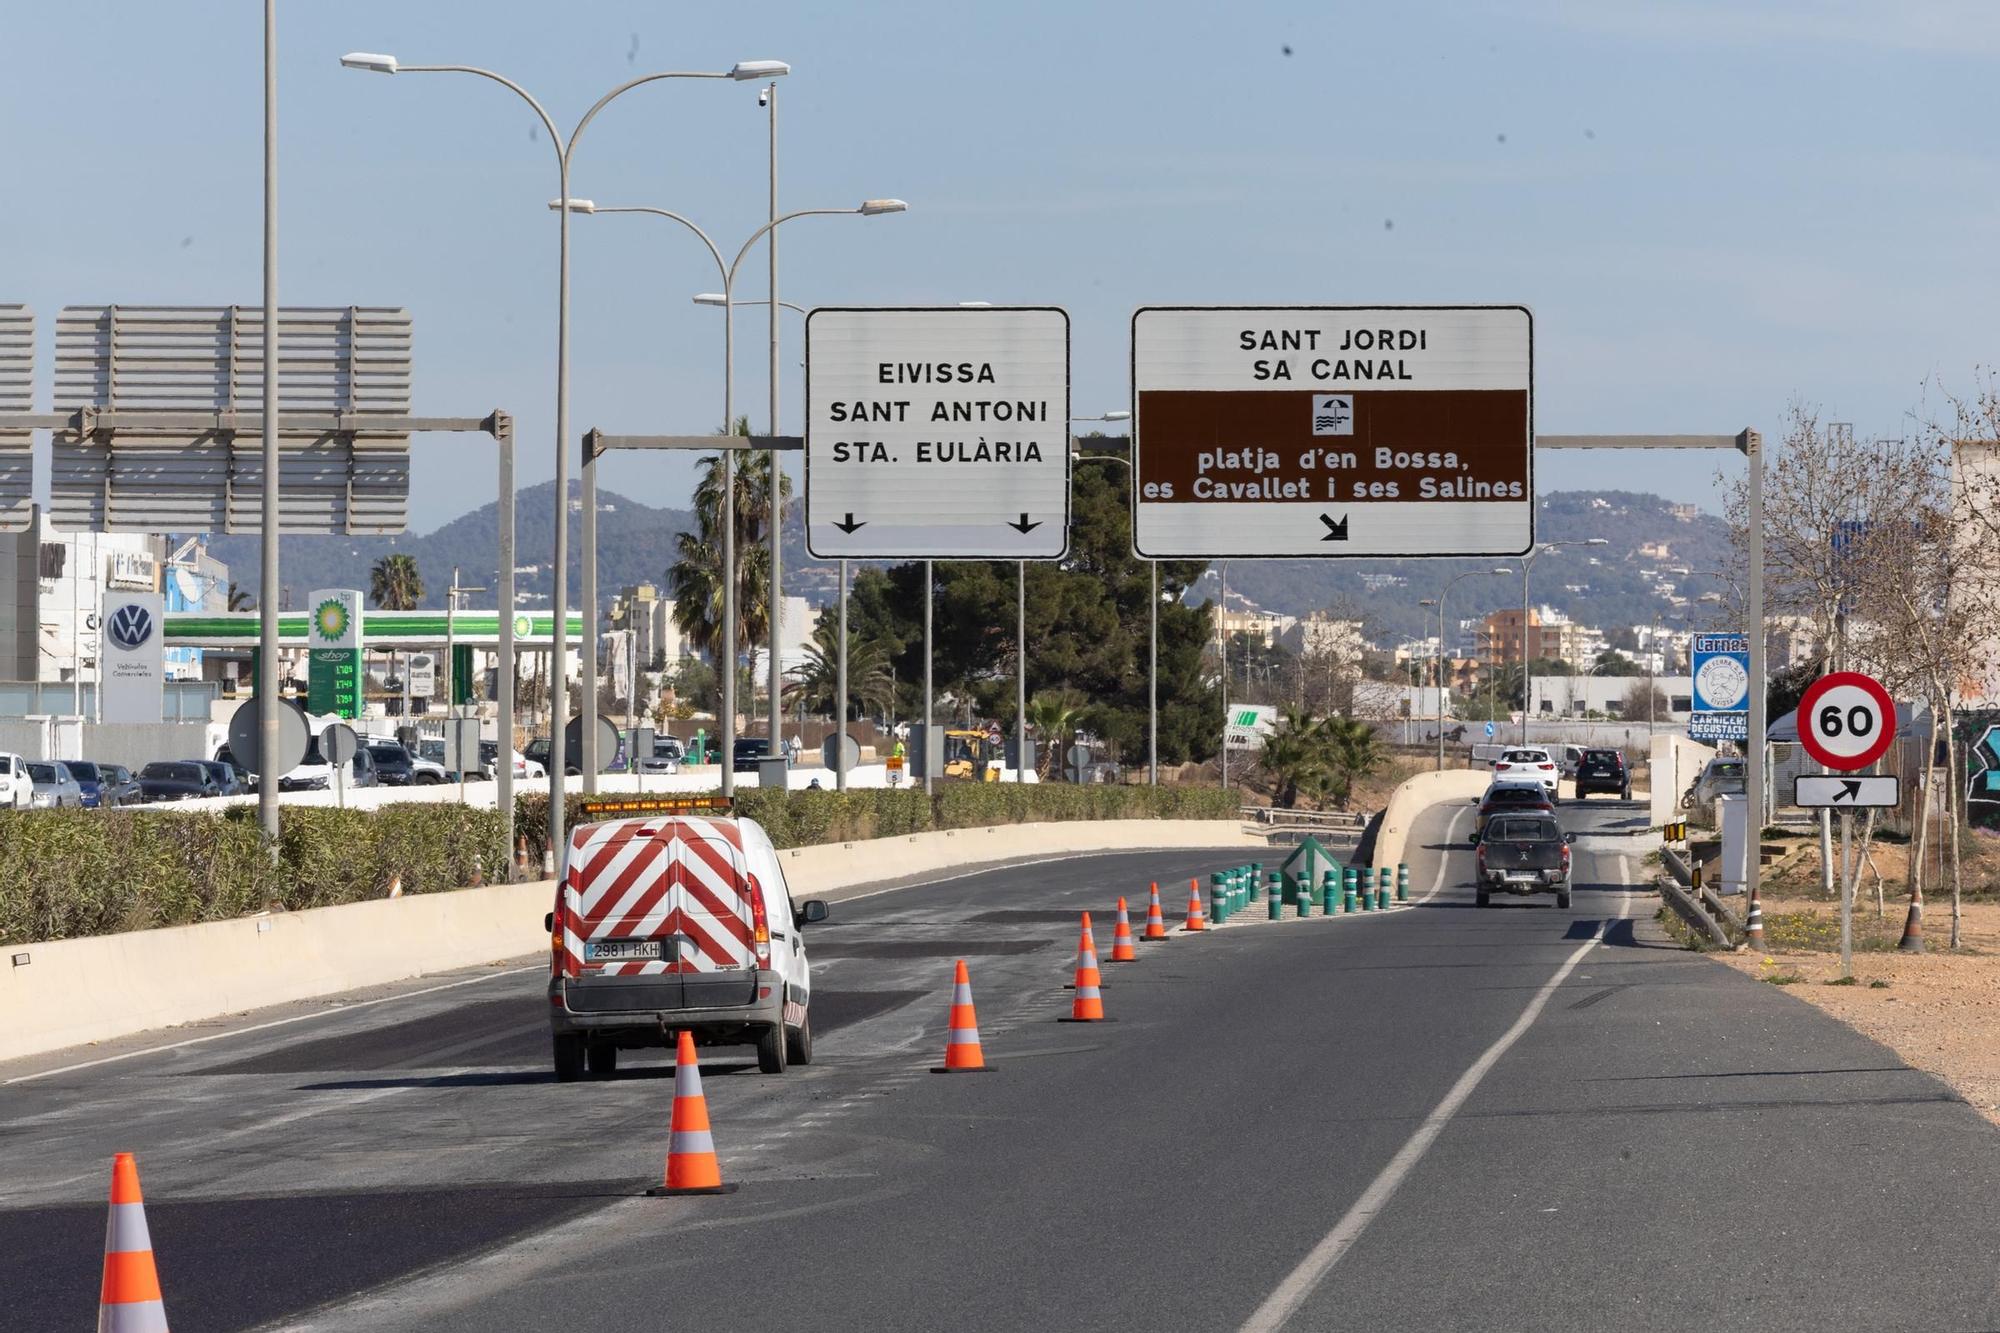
<point>1603,770</point>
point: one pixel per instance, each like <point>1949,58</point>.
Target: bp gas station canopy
<point>533,630</point>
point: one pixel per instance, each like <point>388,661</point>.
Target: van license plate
<point>621,951</point>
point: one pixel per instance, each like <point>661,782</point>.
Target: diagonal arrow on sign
<point>1335,532</point>
<point>1864,791</point>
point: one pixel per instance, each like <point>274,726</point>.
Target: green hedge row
<point>70,873</point>
<point>808,818</point>
<point>67,873</point>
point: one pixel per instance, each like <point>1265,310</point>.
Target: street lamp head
<point>871,207</point>
<point>710,298</point>
<point>744,70</point>
<point>975,305</point>
<point>1120,415</point>
<point>1597,541</point>
<point>1503,569</point>
<point>367,60</point>
<point>575,206</point>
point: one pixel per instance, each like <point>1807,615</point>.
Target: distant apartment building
<point>1260,626</point>
<point>1321,636</point>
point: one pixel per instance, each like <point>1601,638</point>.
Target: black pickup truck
<point>1525,853</point>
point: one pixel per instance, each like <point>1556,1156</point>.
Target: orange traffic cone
<point>691,1164</point>
<point>1197,919</point>
<point>1156,920</point>
<point>1913,924</point>
<point>1088,1004</point>
<point>1123,948</point>
<point>396,885</point>
<point>961,1049</point>
<point>130,1299</point>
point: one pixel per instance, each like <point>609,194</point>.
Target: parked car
<point>313,773</point>
<point>1524,796</point>
<point>393,764</point>
<point>245,779</point>
<point>530,766</point>
<point>1603,770</point>
<point>224,777</point>
<point>666,757</point>
<point>1524,853</point>
<point>1724,775</point>
<point>55,789</point>
<point>99,783</point>
<point>749,751</point>
<point>1528,761</point>
<point>17,789</point>
<point>174,780</point>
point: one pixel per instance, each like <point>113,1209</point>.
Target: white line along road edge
<point>1284,1302</point>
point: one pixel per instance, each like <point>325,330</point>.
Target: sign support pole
<point>930,596</point>
<point>840,688</point>
<point>1021,671</point>
<point>1153,683</point>
<point>1752,445</point>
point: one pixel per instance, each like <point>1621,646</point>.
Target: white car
<point>17,789</point>
<point>1528,761</point>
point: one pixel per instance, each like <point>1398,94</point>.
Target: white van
<point>17,788</point>
<point>672,915</point>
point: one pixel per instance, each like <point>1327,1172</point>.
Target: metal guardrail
<point>1340,821</point>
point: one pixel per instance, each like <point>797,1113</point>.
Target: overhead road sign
<point>17,394</point>
<point>937,433</point>
<point>1332,431</point>
<point>1846,720</point>
<point>1867,791</point>
<point>163,474</point>
<point>1721,703</point>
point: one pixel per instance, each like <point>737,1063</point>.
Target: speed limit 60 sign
<point>1846,720</point>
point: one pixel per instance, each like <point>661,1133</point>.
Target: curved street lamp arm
<point>729,275</point>
<point>627,87</point>
<point>555,137</point>
<point>669,214</point>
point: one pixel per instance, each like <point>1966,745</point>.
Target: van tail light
<point>558,924</point>
<point>1565,860</point>
<point>760,928</point>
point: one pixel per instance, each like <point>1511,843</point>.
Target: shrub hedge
<point>70,873</point>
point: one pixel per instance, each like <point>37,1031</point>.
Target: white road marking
<point>1444,857</point>
<point>1290,1294</point>
<point>274,1023</point>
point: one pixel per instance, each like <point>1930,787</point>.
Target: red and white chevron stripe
<point>676,877</point>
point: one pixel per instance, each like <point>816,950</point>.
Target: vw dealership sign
<point>134,664</point>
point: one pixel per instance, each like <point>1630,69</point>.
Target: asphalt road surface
<point>1435,1118</point>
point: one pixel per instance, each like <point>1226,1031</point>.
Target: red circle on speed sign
<point>1846,720</point>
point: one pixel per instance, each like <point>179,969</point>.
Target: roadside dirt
<point>1939,1010</point>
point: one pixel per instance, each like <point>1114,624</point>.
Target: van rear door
<point>660,910</point>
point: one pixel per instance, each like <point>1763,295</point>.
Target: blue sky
<point>1713,209</point>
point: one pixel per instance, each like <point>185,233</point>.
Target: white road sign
<point>937,433</point>
<point>1333,431</point>
<point>1881,791</point>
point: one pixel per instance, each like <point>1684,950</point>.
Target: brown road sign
<point>1316,431</point>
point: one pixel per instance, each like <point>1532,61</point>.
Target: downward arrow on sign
<point>1023,526</point>
<point>850,525</point>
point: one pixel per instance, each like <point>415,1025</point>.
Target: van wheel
<point>603,1058</point>
<point>799,1043</point>
<point>1484,897</point>
<point>1562,898</point>
<point>771,1049</point>
<point>569,1057</point>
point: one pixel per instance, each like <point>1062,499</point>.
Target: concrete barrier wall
<point>1676,761</point>
<point>73,991</point>
<point>1417,795</point>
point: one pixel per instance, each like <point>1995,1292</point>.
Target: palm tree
<point>1293,757</point>
<point>1054,716</point>
<point>1350,751</point>
<point>239,598</point>
<point>395,584</point>
<point>696,574</point>
<point>816,680</point>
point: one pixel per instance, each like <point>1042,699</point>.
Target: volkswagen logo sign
<point>130,627</point>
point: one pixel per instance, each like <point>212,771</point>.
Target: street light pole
<point>565,150</point>
<point>1527,563</point>
<point>776,475</point>
<point>267,577</point>
<point>1444,592</point>
<point>727,657</point>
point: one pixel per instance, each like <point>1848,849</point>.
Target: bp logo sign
<point>329,620</point>
<point>129,627</point>
<point>522,627</point>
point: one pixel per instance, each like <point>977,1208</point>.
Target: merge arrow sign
<point>1861,792</point>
